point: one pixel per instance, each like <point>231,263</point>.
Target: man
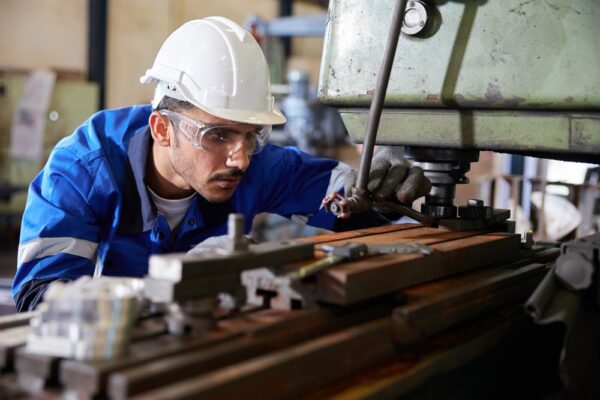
<point>142,180</point>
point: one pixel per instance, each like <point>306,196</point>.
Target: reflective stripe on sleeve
<point>45,247</point>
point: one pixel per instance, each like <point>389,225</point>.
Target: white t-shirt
<point>173,209</point>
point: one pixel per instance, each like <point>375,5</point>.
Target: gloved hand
<point>215,244</point>
<point>391,175</point>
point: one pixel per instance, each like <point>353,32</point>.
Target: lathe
<point>434,311</point>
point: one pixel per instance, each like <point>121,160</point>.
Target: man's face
<point>215,175</point>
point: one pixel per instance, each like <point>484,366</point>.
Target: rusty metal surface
<point>292,369</point>
<point>334,237</point>
<point>363,279</point>
<point>310,350</point>
<point>171,369</point>
<point>457,303</point>
<point>414,367</point>
<point>91,378</point>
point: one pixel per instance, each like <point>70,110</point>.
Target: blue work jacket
<point>89,207</point>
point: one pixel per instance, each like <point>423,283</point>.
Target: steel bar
<point>126,383</point>
<point>35,371</point>
<point>164,291</point>
<point>362,279</point>
<point>10,340</point>
<point>417,366</point>
<point>10,321</point>
<point>335,237</point>
<point>419,234</point>
<point>292,371</point>
<point>178,267</point>
<point>314,267</point>
<point>387,206</point>
<point>90,378</point>
<point>440,310</point>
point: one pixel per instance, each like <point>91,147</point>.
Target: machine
<point>517,77</point>
<point>430,310</point>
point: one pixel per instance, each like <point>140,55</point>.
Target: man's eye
<point>219,135</point>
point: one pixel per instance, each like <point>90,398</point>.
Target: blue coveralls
<point>89,205</point>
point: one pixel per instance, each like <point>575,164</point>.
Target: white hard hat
<point>217,66</point>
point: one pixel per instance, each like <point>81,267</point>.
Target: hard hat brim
<point>274,117</point>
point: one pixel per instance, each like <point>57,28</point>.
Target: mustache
<point>233,173</point>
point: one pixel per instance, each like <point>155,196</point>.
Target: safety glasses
<point>220,139</point>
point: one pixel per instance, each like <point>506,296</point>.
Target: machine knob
<point>415,17</point>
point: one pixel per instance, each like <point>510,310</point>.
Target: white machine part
<point>86,319</point>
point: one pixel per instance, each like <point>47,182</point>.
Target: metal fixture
<point>475,210</point>
<point>235,232</point>
<point>265,287</point>
<point>191,316</point>
<point>354,251</point>
<point>415,18</point>
<point>89,319</point>
<point>445,168</point>
<point>191,283</point>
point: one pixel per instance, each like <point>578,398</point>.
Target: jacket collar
<point>139,212</point>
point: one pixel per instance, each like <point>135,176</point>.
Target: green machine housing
<point>512,76</point>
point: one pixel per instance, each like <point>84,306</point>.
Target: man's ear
<point>160,129</point>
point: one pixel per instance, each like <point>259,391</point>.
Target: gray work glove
<point>215,244</point>
<point>391,175</point>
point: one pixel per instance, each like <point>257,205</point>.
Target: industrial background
<point>499,103</point>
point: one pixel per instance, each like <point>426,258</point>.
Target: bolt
<point>235,226</point>
<point>335,209</point>
<point>235,231</point>
<point>527,242</point>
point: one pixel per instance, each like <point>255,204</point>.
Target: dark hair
<point>171,104</point>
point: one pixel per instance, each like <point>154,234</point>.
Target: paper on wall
<point>29,119</point>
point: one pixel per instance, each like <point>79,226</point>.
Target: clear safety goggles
<point>219,138</point>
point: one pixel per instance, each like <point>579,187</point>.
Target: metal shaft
<point>379,96</point>
<point>387,206</point>
<point>314,267</point>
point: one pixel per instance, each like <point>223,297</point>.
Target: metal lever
<point>387,206</point>
<point>336,254</point>
<point>360,200</point>
<point>341,208</point>
<point>353,251</point>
